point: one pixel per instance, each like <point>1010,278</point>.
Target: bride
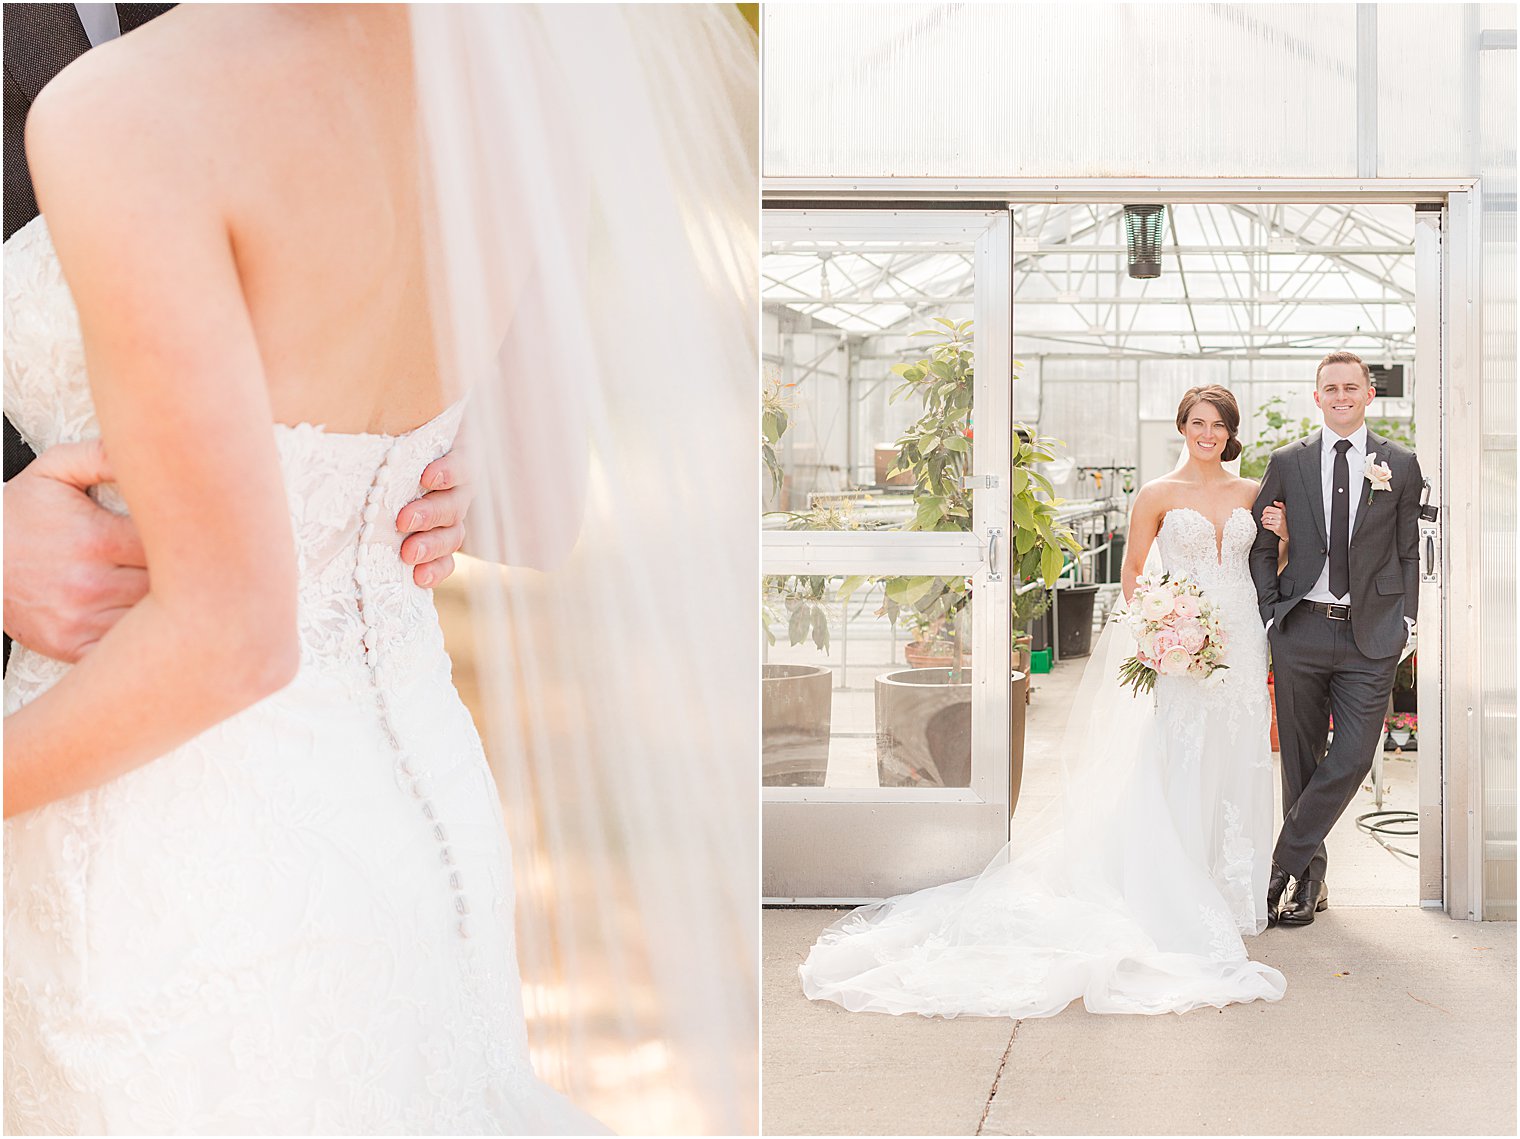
<point>1133,891</point>
<point>256,873</point>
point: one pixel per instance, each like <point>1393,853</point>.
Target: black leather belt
<point>1334,612</point>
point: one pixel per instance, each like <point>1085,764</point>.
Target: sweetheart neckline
<point>1218,533</point>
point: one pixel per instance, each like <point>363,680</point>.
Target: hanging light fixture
<point>1142,228</point>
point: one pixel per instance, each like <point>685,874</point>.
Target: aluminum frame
<point>1449,791</point>
<point>844,844</point>
<point>1462,604</point>
<point>1428,240</point>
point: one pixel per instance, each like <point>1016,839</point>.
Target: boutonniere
<point>1378,475</point>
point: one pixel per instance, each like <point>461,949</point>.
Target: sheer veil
<point>591,173</point>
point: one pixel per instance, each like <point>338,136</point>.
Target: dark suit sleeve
<point>1407,536</point>
<point>1265,549</point>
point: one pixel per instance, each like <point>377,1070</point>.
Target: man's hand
<point>434,523</point>
<point>72,568</point>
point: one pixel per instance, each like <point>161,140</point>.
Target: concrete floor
<point>1397,1021</point>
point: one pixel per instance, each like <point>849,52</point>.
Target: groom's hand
<point>72,568</point>
<point>434,523</point>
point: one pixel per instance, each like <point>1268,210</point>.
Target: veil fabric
<point>1130,890</point>
<point>591,172</point>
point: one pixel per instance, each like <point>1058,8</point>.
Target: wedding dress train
<point>301,920</point>
<point>1133,890</point>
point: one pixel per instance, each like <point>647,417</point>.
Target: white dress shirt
<point>100,21</point>
<point>1356,462</point>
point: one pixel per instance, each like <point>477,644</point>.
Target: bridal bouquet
<point>1177,632</point>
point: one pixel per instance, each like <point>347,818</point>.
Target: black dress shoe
<point>1310,896</point>
<point>1276,884</point>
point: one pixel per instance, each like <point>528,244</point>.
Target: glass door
<point>886,408</point>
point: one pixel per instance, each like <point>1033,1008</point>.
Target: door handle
<point>1429,568</point>
<point>993,572</point>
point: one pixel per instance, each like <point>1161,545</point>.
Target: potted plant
<point>923,712</point>
<point>1402,727</point>
<point>796,700</point>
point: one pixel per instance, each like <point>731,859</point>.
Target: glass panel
<point>839,317</point>
<point>1063,90</point>
<point>1497,505</point>
<point>852,698</point>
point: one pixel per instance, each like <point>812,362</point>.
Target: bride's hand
<point>434,523</point>
<point>1275,519</point>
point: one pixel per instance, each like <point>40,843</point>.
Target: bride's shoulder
<point>1158,493</point>
<point>1245,489</point>
<point>1153,500</point>
<point>168,88</point>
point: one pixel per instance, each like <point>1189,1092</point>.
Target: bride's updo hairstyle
<point>1223,401</point>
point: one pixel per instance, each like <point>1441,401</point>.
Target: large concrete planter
<point>796,708</point>
<point>923,728</point>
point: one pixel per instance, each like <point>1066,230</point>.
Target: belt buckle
<point>1338,612</point>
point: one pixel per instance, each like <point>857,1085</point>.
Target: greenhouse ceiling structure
<point>1236,281</point>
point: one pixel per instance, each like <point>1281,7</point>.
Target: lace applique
<point>260,931</point>
<point>1224,941</point>
<point>1235,871</point>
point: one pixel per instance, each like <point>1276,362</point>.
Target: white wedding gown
<point>1133,890</point>
<point>300,921</point>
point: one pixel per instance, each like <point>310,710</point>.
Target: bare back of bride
<point>298,917</point>
<point>1133,891</point>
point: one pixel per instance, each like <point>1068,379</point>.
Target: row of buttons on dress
<point>406,765</point>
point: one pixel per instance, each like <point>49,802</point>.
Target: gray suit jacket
<point>1384,553</point>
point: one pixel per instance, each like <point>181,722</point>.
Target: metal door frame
<point>1447,291</point>
<point>862,834</point>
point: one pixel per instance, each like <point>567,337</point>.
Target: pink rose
<point>1187,606</point>
<point>1166,640</point>
<point>1174,662</point>
<point>1156,605</point>
<point>1192,636</point>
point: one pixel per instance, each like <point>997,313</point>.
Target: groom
<point>71,567</point>
<point>1337,616</point>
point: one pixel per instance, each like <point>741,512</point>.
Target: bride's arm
<point>185,417</point>
<point>1144,524</point>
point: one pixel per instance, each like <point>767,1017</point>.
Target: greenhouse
<point>991,268</point>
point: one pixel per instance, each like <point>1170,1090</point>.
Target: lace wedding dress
<point>1133,890</point>
<point>300,921</point>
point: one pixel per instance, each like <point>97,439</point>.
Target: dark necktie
<point>1340,521</point>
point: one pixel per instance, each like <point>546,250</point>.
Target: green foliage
<point>1278,432</point>
<point>1040,543</point>
<point>937,452</point>
<point>801,599</point>
<point>1400,431</point>
<point>775,418</point>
